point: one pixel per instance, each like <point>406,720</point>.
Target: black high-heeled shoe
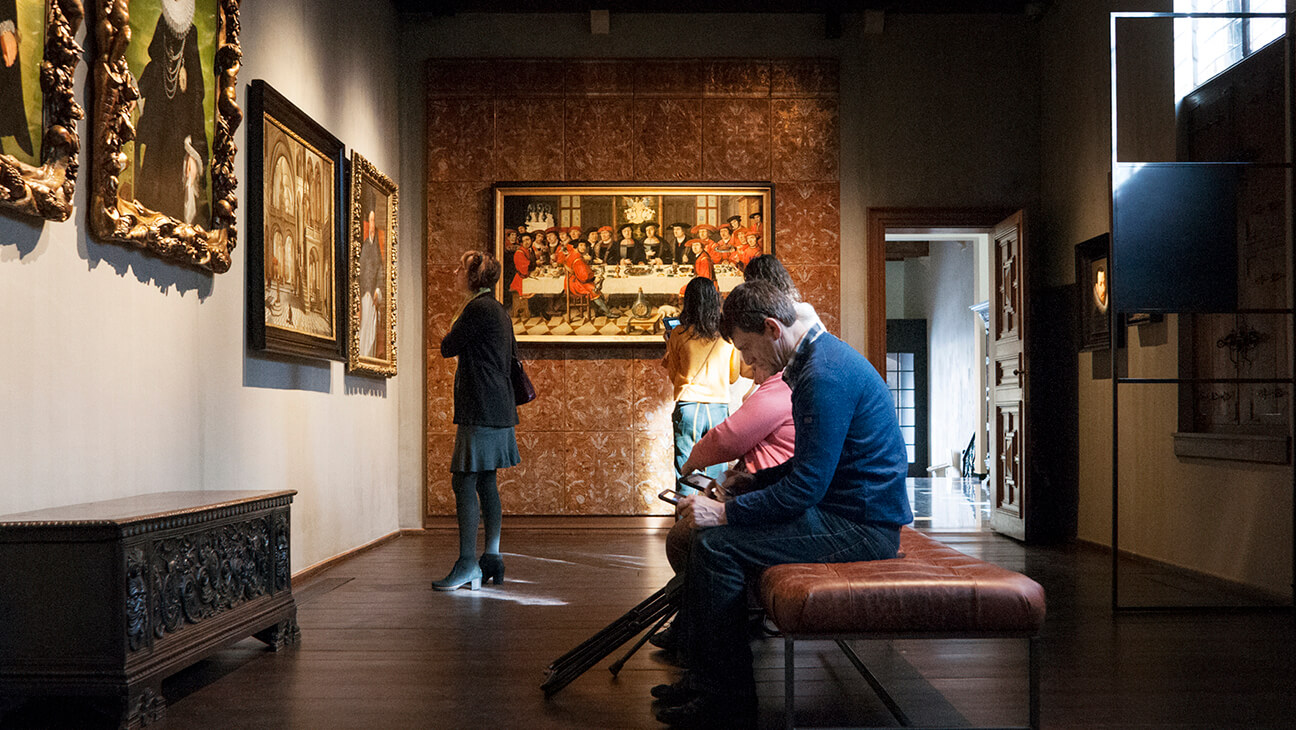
<point>492,566</point>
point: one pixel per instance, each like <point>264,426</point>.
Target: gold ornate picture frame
<point>42,184</point>
<point>144,135</point>
<point>371,251</point>
<point>608,262</point>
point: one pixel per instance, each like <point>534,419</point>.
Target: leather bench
<point>931,591</point>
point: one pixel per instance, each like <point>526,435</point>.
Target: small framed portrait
<point>1094,285</point>
<point>165,115</point>
<point>608,262</point>
<point>371,323</point>
<point>38,112</point>
<point>295,253</point>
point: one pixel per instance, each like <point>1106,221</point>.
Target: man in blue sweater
<point>840,498</point>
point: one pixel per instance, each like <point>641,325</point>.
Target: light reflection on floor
<point>949,503</point>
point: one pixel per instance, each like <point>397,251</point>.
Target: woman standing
<point>485,413</point>
<point>701,366</point>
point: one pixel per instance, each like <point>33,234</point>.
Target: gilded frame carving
<point>372,244</point>
<point>46,191</point>
<point>116,95</point>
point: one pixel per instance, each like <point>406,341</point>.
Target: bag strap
<point>705,360</point>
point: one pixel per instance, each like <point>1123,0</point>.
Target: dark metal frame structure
<point>1116,318</point>
<point>789,670</point>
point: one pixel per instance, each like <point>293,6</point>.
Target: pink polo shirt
<point>760,432</point>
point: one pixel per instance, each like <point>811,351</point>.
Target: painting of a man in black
<point>171,145</point>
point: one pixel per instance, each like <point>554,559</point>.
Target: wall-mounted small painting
<point>371,323</point>
<point>607,262</point>
<point>164,122</point>
<point>1094,284</point>
<point>294,285</point>
<point>38,112</point>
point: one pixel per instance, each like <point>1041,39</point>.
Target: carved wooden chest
<point>106,599</point>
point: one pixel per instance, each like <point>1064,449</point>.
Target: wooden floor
<point>380,649</point>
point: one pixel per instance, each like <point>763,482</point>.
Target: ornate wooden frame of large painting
<point>608,262</point>
<point>295,285</point>
<point>164,119</point>
<point>371,324</point>
<point>38,136</point>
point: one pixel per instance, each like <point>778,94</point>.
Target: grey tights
<point>470,487</point>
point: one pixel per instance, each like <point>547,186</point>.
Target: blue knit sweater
<point>850,458</point>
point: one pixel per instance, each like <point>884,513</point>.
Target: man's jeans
<point>715,599</point>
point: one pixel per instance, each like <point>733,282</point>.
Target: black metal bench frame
<point>789,669</point>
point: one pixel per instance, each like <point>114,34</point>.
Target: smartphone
<point>698,481</point>
<point>669,496</point>
<point>670,323</point>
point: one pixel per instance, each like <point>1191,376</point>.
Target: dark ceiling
<point>451,7</point>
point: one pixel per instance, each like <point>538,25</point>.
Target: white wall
<point>951,332</point>
<point>917,288</point>
<point>895,292</point>
<point>123,374</point>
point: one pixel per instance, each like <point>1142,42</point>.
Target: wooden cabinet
<point>106,599</point>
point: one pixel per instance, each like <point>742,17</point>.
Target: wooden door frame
<point>909,220</point>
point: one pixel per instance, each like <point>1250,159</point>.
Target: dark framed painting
<point>371,293</point>
<point>164,121</point>
<point>38,111</point>
<point>1094,287</point>
<point>295,255</point>
<point>608,262</point>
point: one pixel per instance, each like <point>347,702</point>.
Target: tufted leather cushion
<point>932,587</point>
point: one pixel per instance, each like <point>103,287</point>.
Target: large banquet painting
<point>609,263</point>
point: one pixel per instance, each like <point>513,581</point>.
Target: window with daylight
<point>1205,47</point>
<point>708,209</point>
<point>900,379</point>
<point>569,207</point>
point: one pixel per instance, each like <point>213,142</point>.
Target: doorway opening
<point>935,339</point>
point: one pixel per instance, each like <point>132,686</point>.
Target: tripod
<point>651,612</point>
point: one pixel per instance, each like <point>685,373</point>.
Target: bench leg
<point>878,689</point>
<point>789,682</point>
<point>1032,669</point>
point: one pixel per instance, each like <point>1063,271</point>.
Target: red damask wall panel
<point>598,439</point>
<point>598,138</point>
<point>735,139</point>
<point>667,138</point>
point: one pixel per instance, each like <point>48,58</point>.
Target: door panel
<point>1008,325</point>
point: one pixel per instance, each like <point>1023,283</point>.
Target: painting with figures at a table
<point>609,262</point>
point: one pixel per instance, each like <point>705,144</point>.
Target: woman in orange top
<point>701,365</point>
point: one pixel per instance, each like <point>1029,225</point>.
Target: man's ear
<point>773,328</point>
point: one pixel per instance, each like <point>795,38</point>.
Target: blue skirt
<point>484,448</point>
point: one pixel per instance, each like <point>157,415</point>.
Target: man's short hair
<point>767,268</point>
<point>749,304</point>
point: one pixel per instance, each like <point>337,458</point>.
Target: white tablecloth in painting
<point>627,284</point>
